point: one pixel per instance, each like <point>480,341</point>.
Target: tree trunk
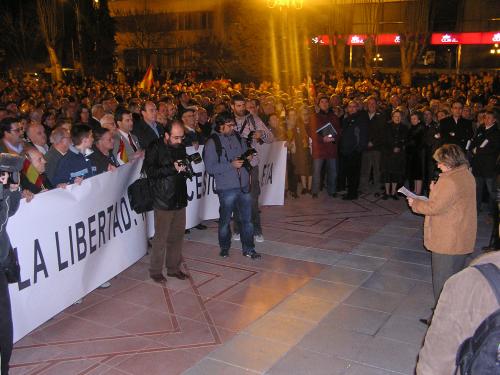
<point>406,76</point>
<point>57,75</point>
<point>409,47</point>
<point>339,49</point>
<point>369,49</point>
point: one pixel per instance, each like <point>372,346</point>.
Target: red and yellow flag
<point>122,152</point>
<point>148,79</point>
<point>32,174</point>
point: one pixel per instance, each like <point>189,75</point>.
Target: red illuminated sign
<point>388,39</point>
<point>356,40</point>
<point>466,38</point>
<point>436,38</point>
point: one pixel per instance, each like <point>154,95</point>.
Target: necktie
<point>131,142</point>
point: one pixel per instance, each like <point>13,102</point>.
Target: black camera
<point>11,164</point>
<point>246,163</point>
<point>186,162</point>
<point>250,139</point>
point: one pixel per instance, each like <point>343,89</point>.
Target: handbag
<point>139,195</point>
<point>11,267</point>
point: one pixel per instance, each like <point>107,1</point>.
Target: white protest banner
<point>272,171</point>
<point>70,241</point>
<point>203,203</point>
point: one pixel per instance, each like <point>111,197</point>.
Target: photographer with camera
<point>165,167</point>
<point>254,131</point>
<point>10,197</point>
<point>227,158</point>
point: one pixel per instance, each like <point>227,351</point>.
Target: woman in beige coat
<point>450,215</point>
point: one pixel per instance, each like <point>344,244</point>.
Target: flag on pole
<point>147,81</point>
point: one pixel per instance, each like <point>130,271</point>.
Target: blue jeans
<point>229,200</point>
<point>331,175</point>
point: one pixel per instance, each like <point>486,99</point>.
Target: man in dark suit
<point>371,156</point>
<point>485,149</point>
<point>97,113</point>
<point>147,130</point>
<point>126,146</point>
<point>456,129</point>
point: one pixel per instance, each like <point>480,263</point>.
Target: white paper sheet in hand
<point>409,194</point>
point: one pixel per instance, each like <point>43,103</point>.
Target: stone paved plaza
<point>340,290</point>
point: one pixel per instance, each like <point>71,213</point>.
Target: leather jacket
<point>168,187</point>
<point>9,203</point>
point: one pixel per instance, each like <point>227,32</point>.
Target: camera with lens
<point>246,163</point>
<point>250,139</point>
<point>12,164</point>
<point>187,161</point>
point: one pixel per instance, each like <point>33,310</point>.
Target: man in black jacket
<point>485,149</point>
<point>455,129</point>
<point>10,197</point>
<point>353,143</point>
<point>371,157</point>
<point>147,130</point>
<point>169,191</point>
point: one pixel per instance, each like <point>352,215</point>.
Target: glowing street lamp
<point>296,4</point>
<point>496,50</point>
<point>377,59</point>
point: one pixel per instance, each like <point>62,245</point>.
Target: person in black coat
<point>485,148</point>
<point>147,130</point>
<point>393,155</point>
<point>415,152</point>
<point>372,154</point>
<point>354,141</point>
<point>456,129</point>
<point>169,192</point>
<point>10,196</point>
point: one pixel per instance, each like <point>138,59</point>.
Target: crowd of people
<point>357,135</point>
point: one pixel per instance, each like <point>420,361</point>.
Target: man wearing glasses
<point>223,159</point>
<point>169,193</point>
<point>10,133</point>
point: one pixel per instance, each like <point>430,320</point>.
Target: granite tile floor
<point>339,290</point>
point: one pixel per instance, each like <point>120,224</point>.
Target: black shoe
<point>427,322</point>
<point>187,231</point>
<point>395,197</point>
<point>315,196</point>
<point>349,197</point>
<point>201,226</point>
<point>252,254</point>
<point>294,194</point>
<point>333,195</point>
<point>376,195</point>
<point>224,253</point>
<point>179,275</point>
<point>304,191</point>
<point>158,278</point>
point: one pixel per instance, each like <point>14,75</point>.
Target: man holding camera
<point>10,197</point>
<point>165,171</point>
<point>227,158</point>
<point>253,130</point>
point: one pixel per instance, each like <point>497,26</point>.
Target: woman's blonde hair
<point>450,155</point>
